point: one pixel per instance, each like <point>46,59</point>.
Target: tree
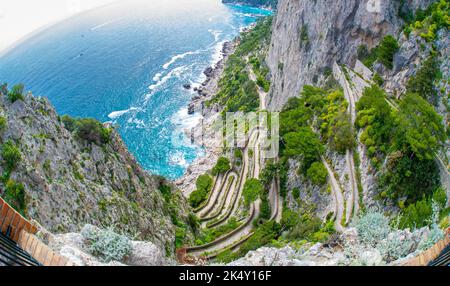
<point>377,119</point>
<point>303,144</point>
<point>342,133</point>
<point>252,191</point>
<point>204,186</point>
<point>318,174</point>
<point>423,82</point>
<point>386,51</point>
<point>416,215</point>
<point>420,128</point>
<point>222,166</point>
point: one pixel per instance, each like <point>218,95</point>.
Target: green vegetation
<point>211,234</point>
<point>204,185</point>
<point>303,144</point>
<point>16,93</point>
<point>261,71</point>
<point>384,52</point>
<point>222,166</point>
<point>107,244</point>
<point>423,82</point>
<point>11,155</point>
<point>342,134</point>
<point>318,174</point>
<point>88,129</point>
<point>304,36</point>
<point>252,191</point>
<point>15,195</point>
<point>427,23</point>
<point>304,225</point>
<point>378,121</point>
<point>420,128</point>
<point>237,92</point>
<point>3,124</point>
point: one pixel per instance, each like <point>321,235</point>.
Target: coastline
<point>213,148</point>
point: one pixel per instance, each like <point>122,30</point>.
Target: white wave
<point>216,34</point>
<point>178,57</point>
<point>116,114</point>
<point>185,120</point>
<point>217,55</point>
<point>177,158</point>
<point>157,77</point>
<point>175,72</point>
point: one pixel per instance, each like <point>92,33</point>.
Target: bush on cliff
<point>252,191</point>
<point>107,244</point>
<point>16,93</point>
<point>15,195</point>
<point>222,166</point>
<point>11,155</point>
<point>204,185</point>
<point>88,129</point>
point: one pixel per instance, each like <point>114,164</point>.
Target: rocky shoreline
<point>212,146</point>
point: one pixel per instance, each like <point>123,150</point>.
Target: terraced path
<point>226,195</point>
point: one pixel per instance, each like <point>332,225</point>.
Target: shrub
<point>386,51</point>
<point>423,82</point>
<point>372,227</point>
<point>106,244</point>
<point>15,195</point>
<point>16,93</point>
<point>11,155</point>
<point>92,131</point>
<point>3,124</point>
<point>204,185</point>
<point>416,215</point>
<point>69,122</point>
<point>396,246</point>
<point>378,79</point>
<point>318,174</point>
<point>296,193</point>
<point>222,166</point>
<point>436,234</point>
<point>252,191</point>
<point>263,235</point>
<point>342,134</point>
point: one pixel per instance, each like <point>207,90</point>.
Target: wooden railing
<point>431,254</point>
<point>22,232</point>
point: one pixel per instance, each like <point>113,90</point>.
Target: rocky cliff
<point>310,35</point>
<point>64,182</point>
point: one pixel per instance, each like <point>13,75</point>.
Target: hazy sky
<point>19,18</point>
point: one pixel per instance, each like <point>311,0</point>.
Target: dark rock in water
<point>195,89</point>
<point>209,72</point>
<point>196,98</point>
<point>191,109</point>
<point>187,86</point>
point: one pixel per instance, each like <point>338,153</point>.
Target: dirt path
<point>338,197</point>
<point>351,97</point>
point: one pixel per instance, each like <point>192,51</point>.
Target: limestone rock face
<point>309,36</point>
<point>70,182</point>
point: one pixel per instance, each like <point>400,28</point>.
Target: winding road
<point>351,97</point>
<point>224,201</point>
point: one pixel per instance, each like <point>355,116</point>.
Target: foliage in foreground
<point>107,244</point>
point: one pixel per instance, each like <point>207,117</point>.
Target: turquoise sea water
<point>126,63</point>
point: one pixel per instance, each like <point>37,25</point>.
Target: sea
<point>126,63</point>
